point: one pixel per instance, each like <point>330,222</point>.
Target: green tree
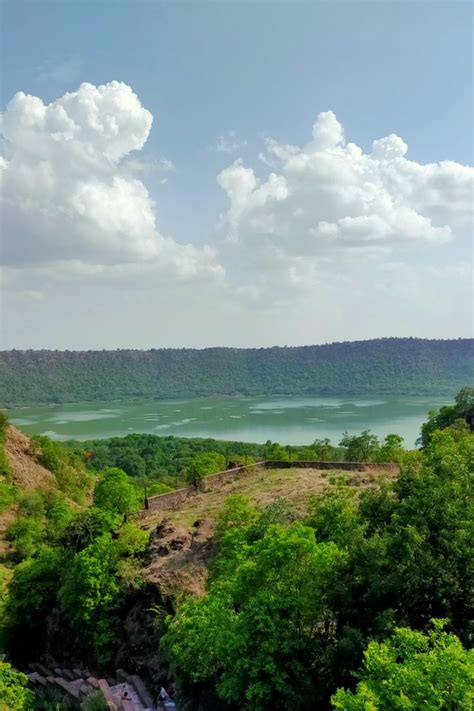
<point>412,670</point>
<point>255,632</point>
<point>360,448</point>
<point>276,452</point>
<point>32,596</point>
<point>204,464</point>
<point>391,449</point>
<point>324,450</point>
<point>115,493</point>
<point>14,692</point>
<point>463,408</point>
<point>26,535</point>
<point>465,405</point>
<point>85,527</point>
<point>91,595</point>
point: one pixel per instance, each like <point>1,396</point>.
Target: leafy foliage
<point>204,464</point>
<point>257,628</point>
<point>68,468</point>
<point>32,595</point>
<point>4,463</point>
<point>14,694</point>
<point>387,365</point>
<point>290,607</point>
<point>462,409</point>
<point>115,493</point>
<point>412,670</point>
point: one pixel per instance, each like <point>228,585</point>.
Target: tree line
<point>381,366</point>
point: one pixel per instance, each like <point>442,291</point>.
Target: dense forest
<point>382,366</point>
<point>364,603</point>
<point>159,462</point>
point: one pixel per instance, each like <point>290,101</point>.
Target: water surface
<point>289,420</point>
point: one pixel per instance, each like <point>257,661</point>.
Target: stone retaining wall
<point>342,466</point>
<point>165,502</point>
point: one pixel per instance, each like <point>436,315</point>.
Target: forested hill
<point>382,366</point>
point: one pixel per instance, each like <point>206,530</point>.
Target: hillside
<point>41,488</point>
<point>383,366</point>
<point>26,472</point>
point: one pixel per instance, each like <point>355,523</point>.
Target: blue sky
<point>261,70</point>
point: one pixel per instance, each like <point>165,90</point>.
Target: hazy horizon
<point>254,347</point>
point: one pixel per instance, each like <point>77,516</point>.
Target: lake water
<point>289,420</point>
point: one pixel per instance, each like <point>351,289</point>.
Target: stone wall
<point>341,466</point>
<point>165,502</point>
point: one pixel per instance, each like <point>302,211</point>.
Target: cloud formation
<point>329,230</point>
<point>71,201</point>
<point>329,196</point>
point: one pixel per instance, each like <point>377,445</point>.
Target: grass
<point>297,486</point>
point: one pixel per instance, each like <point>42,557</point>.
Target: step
<point>105,689</point>
<point>82,686</point>
<point>143,693</point>
<point>92,681</point>
<point>36,678</point>
<point>45,671</point>
<point>126,697</point>
<point>67,687</point>
<point>139,686</point>
<point>69,675</point>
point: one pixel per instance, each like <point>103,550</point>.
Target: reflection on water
<point>288,420</point>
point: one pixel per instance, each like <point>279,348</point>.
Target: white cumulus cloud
<point>329,196</point>
<point>71,201</point>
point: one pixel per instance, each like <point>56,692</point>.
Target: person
<point>164,696</point>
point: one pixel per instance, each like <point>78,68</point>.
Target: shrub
<point>14,694</point>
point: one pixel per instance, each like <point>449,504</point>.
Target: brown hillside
<point>25,471</point>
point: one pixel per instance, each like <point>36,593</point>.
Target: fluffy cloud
<point>71,201</point>
<point>329,231</point>
<point>329,197</point>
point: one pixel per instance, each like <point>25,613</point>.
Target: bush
<point>7,495</point>
<point>14,694</point>
<point>115,493</point>
<point>413,671</point>
<point>26,536</point>
<point>94,702</point>
<point>203,465</point>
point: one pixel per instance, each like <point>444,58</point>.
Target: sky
<point>192,174</point>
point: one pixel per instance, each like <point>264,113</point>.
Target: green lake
<point>289,420</point>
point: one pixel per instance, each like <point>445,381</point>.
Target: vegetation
<point>412,670</point>
<point>14,694</point>
<point>67,467</point>
<point>361,599</point>
<point>177,461</point>
<point>204,464</point>
<point>4,465</point>
<point>291,605</point>
<point>388,365</point>
<point>463,409</point>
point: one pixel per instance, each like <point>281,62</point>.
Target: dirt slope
<point>25,471</point>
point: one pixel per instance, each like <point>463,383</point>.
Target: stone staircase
<point>124,692</point>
